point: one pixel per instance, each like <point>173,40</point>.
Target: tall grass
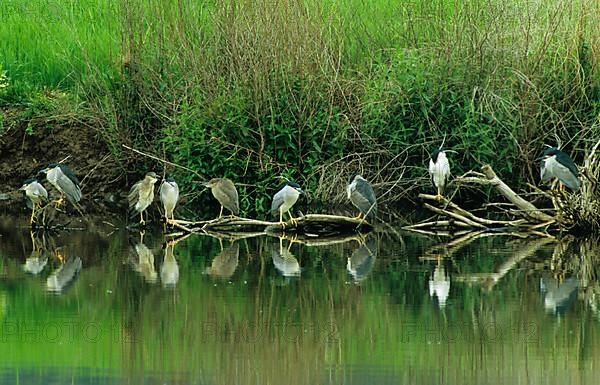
<point>316,90</point>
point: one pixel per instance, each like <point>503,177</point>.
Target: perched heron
<point>169,195</point>
<point>65,181</point>
<point>557,164</point>
<point>225,192</point>
<point>439,170</point>
<point>141,195</point>
<point>64,275</point>
<point>36,193</point>
<point>284,199</point>
<point>362,196</point>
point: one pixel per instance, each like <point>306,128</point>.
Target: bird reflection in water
<point>439,284</point>
<point>38,259</point>
<point>361,262</point>
<point>284,260</point>
<point>558,294</point>
<point>144,263</point>
<point>65,274</point>
<point>225,263</point>
<point>169,270</point>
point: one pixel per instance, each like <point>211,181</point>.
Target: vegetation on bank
<point>311,90</point>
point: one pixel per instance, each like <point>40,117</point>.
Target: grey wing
<point>566,176</point>
<point>233,199</point>
<point>71,190</point>
<point>134,195</point>
<point>277,202</point>
<point>364,198</point>
<point>41,192</point>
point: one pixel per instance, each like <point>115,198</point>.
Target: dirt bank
<point>28,144</point>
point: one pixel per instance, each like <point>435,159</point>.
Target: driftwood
<point>306,228</point>
<point>518,216</point>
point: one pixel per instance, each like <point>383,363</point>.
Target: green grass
<point>252,90</point>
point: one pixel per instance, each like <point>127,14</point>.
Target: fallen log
<point>310,226</point>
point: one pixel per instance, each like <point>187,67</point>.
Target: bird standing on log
<point>439,170</point>
<point>169,195</point>
<point>284,199</point>
<point>557,164</point>
<point>141,195</point>
<point>361,194</point>
<point>225,192</point>
<point>36,193</point>
<point>65,181</point>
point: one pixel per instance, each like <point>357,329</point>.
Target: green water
<point>396,310</point>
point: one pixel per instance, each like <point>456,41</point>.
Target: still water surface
<point>109,306</point>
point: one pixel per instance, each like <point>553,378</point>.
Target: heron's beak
<point>22,188</point>
<point>301,191</point>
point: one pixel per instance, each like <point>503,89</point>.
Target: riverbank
<point>228,89</point>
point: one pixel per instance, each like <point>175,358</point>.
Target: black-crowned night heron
<point>439,170</point>
<point>225,192</point>
<point>64,275</point>
<point>362,196</point>
<point>557,164</point>
<point>169,195</point>
<point>65,181</point>
<point>284,199</point>
<point>36,193</point>
<point>141,195</point>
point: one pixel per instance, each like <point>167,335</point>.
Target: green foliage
<point>315,90</point>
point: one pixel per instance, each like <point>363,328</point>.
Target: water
<point>107,306</point>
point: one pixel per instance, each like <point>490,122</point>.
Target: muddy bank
<point>28,144</point>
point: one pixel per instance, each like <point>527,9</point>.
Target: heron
<point>557,164</point>
<point>36,193</point>
<point>284,199</point>
<point>64,180</point>
<point>141,195</point>
<point>439,284</point>
<point>361,194</point>
<point>169,195</point>
<point>439,170</point>
<point>225,192</point>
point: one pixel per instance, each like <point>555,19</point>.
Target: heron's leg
<point>439,197</point>
<point>281,219</point>
<point>292,219</point>
<point>280,245</point>
<point>32,214</point>
<point>142,221</point>
<point>221,244</point>
<point>221,212</point>
<point>60,201</point>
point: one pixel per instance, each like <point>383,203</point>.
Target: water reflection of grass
<point>265,330</point>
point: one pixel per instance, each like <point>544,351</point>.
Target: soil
<point>29,145</point>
